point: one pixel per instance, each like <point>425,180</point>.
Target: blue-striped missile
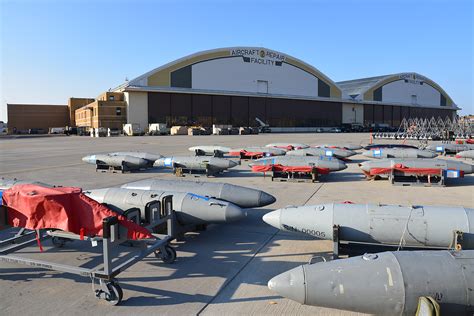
<point>387,283</point>
<point>449,148</point>
<point>191,209</point>
<point>322,151</point>
<point>239,195</point>
<point>200,163</point>
<point>415,226</point>
<point>381,153</point>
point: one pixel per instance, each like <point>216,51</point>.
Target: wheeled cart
<point>114,235</point>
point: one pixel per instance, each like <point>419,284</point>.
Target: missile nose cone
<point>290,284</point>
<point>273,218</point>
<point>89,159</point>
<point>266,199</point>
<point>98,194</point>
<point>234,213</point>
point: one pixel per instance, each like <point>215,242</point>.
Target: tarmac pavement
<point>223,270</point>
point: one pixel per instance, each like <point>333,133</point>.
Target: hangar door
<point>352,113</point>
<point>262,86</point>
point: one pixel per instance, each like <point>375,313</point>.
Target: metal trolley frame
<point>114,235</point>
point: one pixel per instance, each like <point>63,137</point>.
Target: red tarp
<point>65,208</point>
<point>281,168</point>
<point>402,168</point>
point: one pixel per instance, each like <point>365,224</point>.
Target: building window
<point>111,98</point>
<point>118,111</point>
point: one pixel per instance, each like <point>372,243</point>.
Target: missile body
<point>375,146</point>
<point>151,158</point>
<point>332,164</point>
<point>323,151</point>
<point>368,167</point>
<point>342,146</point>
<point>210,150</point>
<point>399,153</point>
<point>450,148</point>
<point>200,163</point>
<point>288,146</point>
<point>387,283</point>
<point>190,208</point>
<point>130,162</point>
<point>465,154</point>
<point>417,226</point>
<point>241,196</point>
<point>6,183</point>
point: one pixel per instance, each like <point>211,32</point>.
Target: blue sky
<point>52,50</point>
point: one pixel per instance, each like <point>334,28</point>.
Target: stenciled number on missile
<point>312,232</point>
<point>438,296</point>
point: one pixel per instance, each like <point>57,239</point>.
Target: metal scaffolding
<point>431,129</point>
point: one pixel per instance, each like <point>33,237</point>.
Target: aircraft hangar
<point>234,85</point>
<point>238,84</point>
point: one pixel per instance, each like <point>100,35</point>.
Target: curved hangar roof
<point>405,88</point>
<point>242,69</point>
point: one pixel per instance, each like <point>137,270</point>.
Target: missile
<point>211,165</point>
<point>450,148</point>
<point>465,154</point>
<point>191,209</point>
<point>210,150</point>
<point>387,283</point>
<point>375,146</point>
<point>342,146</point>
<point>413,166</point>
<point>256,152</point>
<point>6,183</point>
<point>288,146</point>
<point>130,162</point>
<point>326,151</point>
<point>416,226</point>
<point>143,155</point>
<point>332,164</point>
<point>238,195</point>
<point>380,153</point>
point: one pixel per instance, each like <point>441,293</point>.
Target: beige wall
<point>137,108</point>
<point>26,116</point>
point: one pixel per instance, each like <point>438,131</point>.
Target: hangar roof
<point>161,76</point>
<point>360,89</point>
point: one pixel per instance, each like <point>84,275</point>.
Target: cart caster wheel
<point>116,293</point>
<point>169,256</point>
<point>58,242</point>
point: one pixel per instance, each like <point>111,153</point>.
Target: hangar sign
<point>259,56</point>
<point>412,78</point>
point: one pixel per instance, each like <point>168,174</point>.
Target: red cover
<point>65,208</point>
<point>282,168</point>
<point>402,168</point>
